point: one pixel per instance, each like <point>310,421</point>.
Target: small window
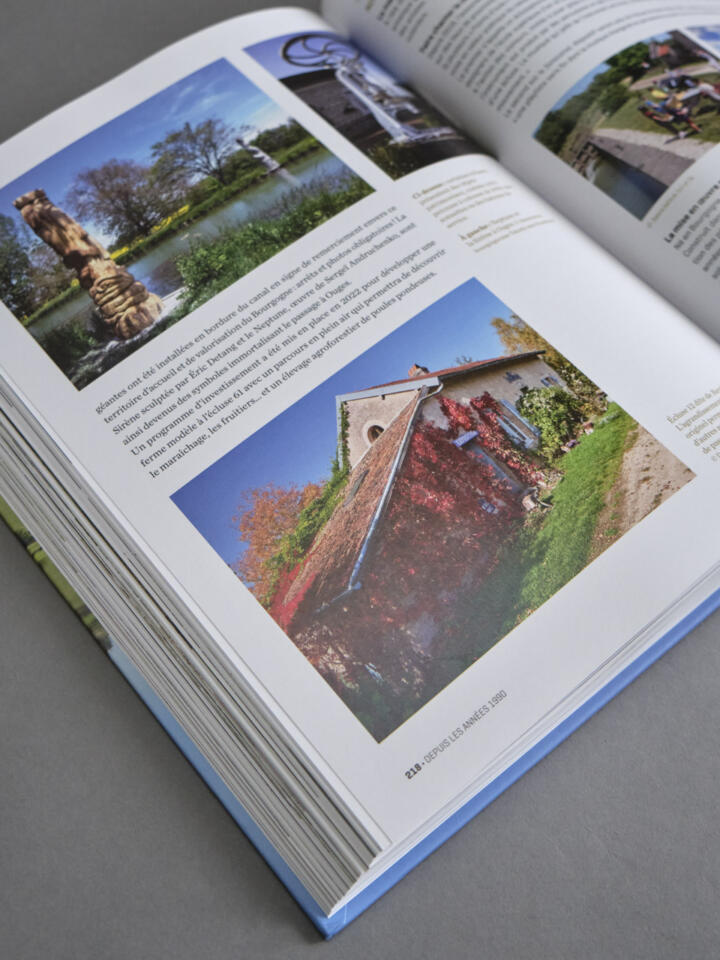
<point>374,432</point>
<point>549,381</point>
<point>512,377</point>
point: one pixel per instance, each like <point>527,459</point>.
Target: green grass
<point>628,117</point>
<point>211,266</point>
<point>69,293</point>
<point>560,549</point>
<point>296,150</point>
<point>553,545</point>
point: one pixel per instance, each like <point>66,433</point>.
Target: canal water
<point>632,188</point>
<point>157,268</point>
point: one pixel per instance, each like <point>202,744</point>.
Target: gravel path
<point>649,475</point>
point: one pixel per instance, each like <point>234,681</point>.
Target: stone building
<point>379,428</point>
<point>369,412</point>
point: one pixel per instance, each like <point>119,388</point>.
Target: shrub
<point>554,411</point>
<point>67,345</point>
<point>212,265</point>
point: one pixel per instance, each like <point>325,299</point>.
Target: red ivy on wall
<point>448,517</point>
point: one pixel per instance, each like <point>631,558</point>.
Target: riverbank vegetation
<point>211,266</point>
<point>143,205</point>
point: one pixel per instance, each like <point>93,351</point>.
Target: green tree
<point>554,130</point>
<point>554,411</point>
<point>613,97</point>
<point>48,275</point>
<point>630,62</point>
<point>518,337</point>
<point>277,138</point>
<point>15,286</point>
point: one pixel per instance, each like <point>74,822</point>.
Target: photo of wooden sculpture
<point>122,233</point>
<point>125,304</point>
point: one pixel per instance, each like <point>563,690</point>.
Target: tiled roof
<point>448,372</point>
<point>333,554</point>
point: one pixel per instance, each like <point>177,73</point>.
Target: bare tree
<point>122,197</point>
<point>203,149</point>
<point>47,274</point>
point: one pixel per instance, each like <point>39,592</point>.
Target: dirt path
<point>649,475</point>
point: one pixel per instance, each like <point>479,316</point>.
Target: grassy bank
<point>560,549</point>
<point>213,265</point>
<point>552,546</point>
<point>233,191</point>
<point>628,117</point>
<point>176,224</point>
<point>69,293</point>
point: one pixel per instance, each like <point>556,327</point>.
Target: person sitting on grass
<point>680,111</point>
<point>653,112</point>
<point>668,117</point>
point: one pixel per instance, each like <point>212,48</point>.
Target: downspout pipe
<point>354,582</point>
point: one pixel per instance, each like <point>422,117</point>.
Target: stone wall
<point>370,412</point>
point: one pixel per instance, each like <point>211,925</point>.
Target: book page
<point>420,460</point>
<point>610,110</point>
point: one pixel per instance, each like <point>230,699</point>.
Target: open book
<point>379,473</point>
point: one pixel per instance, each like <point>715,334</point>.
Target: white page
<point>432,292</point>
<point>644,185</point>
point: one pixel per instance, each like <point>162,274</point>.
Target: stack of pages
<point>359,405</point>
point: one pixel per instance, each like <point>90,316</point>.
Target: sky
<point>298,445</point>
<point>217,90</point>
<point>582,84</point>
<point>708,34</point>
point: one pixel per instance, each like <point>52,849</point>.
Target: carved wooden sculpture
<point>125,304</point>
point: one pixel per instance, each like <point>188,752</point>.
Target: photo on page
<point>126,231</point>
<point>405,515</point>
<point>708,34</point>
<point>639,120</point>
<point>388,121</point>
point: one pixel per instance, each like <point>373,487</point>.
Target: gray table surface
<point>112,847</point>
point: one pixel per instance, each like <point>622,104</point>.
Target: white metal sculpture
<point>384,99</point>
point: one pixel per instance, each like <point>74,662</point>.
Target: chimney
<point>416,370</point>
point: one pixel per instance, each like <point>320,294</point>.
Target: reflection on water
<point>157,268</point>
<point>632,188</point>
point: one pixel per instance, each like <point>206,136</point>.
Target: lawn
<point>706,115</point>
<point>553,546</point>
